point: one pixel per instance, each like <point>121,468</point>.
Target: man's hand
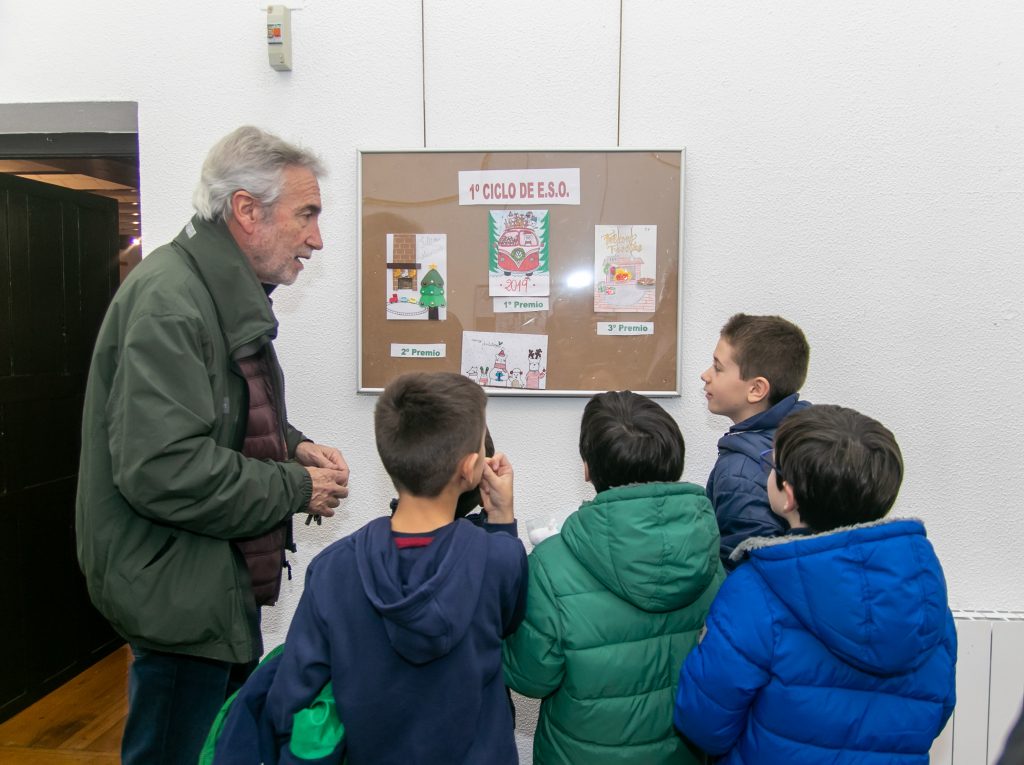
<point>309,454</point>
<point>496,489</point>
<point>330,486</point>
<point>329,472</point>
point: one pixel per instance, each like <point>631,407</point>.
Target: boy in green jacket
<point>616,601</point>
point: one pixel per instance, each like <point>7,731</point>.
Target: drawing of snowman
<point>499,372</point>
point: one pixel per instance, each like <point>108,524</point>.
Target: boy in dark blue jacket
<point>406,616</point>
<point>835,645</point>
<point>759,364</point>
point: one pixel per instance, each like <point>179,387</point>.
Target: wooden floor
<point>78,723</point>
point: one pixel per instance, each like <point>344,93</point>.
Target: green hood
<point>628,539</point>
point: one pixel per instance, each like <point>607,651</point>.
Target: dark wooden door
<point>58,271</point>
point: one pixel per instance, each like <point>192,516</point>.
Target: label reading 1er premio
<point>521,304</point>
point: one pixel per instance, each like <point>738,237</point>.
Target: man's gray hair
<point>250,159</point>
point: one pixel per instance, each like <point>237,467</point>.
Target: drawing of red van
<point>518,251</point>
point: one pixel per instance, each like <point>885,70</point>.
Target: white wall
<point>856,167</point>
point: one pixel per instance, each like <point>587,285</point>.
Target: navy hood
<point>853,590</point>
<point>426,616</point>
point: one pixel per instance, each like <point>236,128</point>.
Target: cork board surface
<point>405,193</point>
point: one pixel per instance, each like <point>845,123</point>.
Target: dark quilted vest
<point>264,440</point>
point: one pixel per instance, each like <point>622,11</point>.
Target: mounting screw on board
<point>279,37</point>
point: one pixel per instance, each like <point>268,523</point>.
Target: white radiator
<point>989,687</point>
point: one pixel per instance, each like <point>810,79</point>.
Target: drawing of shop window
<point>403,266</point>
<point>622,265</point>
<point>625,265</point>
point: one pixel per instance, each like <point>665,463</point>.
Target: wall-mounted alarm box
<point>279,37</point>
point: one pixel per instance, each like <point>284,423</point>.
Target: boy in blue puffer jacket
<point>759,364</point>
<point>832,645</point>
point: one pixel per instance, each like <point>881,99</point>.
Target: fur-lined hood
<point>873,593</point>
<point>758,543</point>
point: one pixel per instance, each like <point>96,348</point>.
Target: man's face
<point>724,389</point>
<point>289,230</point>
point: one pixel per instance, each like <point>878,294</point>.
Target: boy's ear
<point>467,468</point>
<point>758,390</point>
<point>791,505</point>
<point>586,472</point>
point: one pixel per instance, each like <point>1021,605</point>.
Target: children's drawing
<point>535,377</point>
<point>499,372</point>
<point>519,253</point>
<point>497,360</point>
<point>417,267</point>
<point>625,267</point>
<point>432,292</point>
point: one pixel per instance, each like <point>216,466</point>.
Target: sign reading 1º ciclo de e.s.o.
<point>543,186</point>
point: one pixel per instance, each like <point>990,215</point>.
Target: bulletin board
<point>535,273</point>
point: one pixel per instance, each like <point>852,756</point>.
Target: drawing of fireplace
<point>404,268</point>
<point>623,265</point>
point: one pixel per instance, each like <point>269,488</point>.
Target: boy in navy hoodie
<point>759,364</point>
<point>406,616</point>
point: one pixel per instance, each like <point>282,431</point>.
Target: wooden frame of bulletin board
<point>533,272</point>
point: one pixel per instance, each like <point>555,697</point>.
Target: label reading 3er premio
<point>625,328</point>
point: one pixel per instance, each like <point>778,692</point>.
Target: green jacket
<point>614,605</point>
<point>162,485</point>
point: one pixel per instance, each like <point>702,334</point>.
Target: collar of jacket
<point>243,306</point>
<point>760,543</point>
<point>770,417</point>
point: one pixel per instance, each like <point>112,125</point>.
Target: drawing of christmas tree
<point>432,292</point>
<point>497,228</point>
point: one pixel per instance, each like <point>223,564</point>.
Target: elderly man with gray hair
<point>190,472</point>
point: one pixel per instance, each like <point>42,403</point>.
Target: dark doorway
<point>58,270</point>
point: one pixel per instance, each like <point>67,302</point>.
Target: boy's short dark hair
<point>770,347</point>
<point>844,467</point>
<point>425,423</point>
<point>626,438</point>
